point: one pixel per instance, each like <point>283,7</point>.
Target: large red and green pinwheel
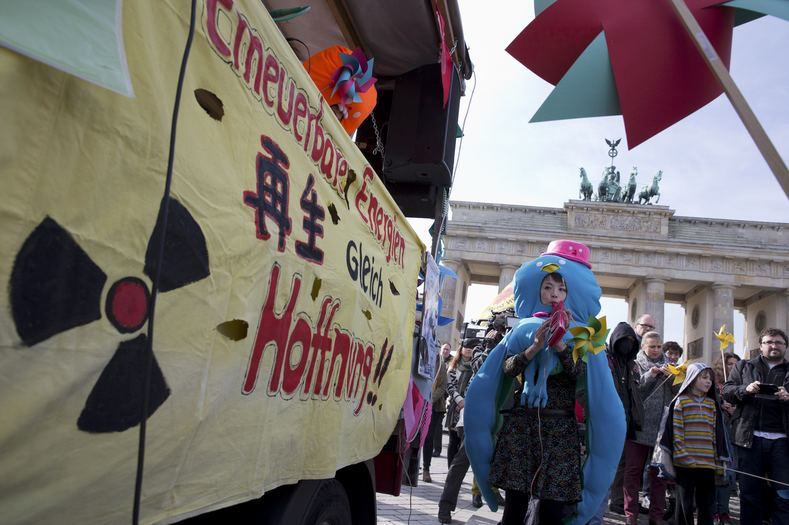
<point>630,57</point>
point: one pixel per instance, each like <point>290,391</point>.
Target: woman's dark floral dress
<point>538,452</point>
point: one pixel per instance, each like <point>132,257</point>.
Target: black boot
<point>444,512</point>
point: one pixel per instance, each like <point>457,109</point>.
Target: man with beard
<point>758,390</point>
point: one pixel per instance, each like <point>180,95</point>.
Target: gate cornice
<point>645,241</point>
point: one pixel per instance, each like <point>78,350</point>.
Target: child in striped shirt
<point>695,434</point>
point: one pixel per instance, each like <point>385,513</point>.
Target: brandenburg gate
<point>642,253</point>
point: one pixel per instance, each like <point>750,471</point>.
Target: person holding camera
<point>493,336</point>
<point>758,390</point>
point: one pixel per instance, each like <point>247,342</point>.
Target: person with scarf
<point>655,391</point>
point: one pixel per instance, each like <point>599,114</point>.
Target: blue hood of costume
<point>583,292</point>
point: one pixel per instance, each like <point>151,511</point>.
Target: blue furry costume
<point>488,391</point>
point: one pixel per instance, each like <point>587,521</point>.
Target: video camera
<point>500,322</point>
<point>472,330</point>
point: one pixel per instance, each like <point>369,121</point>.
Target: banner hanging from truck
<point>285,293</point>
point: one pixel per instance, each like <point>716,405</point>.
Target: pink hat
<point>573,250</point>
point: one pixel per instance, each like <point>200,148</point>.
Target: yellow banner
<point>286,292</point>
<point>504,300</point>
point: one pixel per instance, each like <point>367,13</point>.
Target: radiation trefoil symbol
<point>55,286</point>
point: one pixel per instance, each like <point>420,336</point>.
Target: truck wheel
<point>330,505</point>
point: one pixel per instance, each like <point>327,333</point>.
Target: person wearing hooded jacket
<point>695,437</point>
<point>622,348</point>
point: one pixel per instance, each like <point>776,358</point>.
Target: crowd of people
<point>689,443</point>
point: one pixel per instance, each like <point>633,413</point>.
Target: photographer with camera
<point>497,328</point>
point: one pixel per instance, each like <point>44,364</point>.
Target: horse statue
<point>652,191</point>
<point>602,188</point>
<point>630,192</point>
<point>586,187</point>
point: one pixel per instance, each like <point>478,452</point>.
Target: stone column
<point>506,275</point>
<point>655,301</point>
<point>785,327</point>
<point>633,306</point>
<point>722,307</point>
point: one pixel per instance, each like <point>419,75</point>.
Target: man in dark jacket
<point>761,425</point>
<point>622,349</point>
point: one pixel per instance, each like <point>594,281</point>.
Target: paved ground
<point>419,505</point>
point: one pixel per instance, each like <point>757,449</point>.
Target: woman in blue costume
<point>538,450</point>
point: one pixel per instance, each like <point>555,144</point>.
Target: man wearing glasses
<point>758,390</point>
<point>644,324</point>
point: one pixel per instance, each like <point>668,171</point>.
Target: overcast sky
<point>711,167</point>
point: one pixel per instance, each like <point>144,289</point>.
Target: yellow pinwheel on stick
<point>678,372</point>
<point>725,338</point>
<point>589,338</point>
